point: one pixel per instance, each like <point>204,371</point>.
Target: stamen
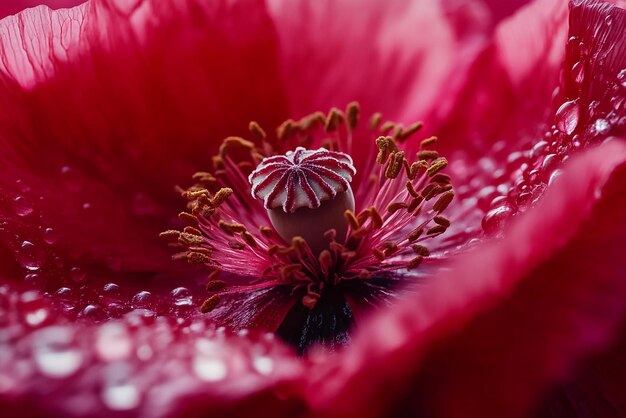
<point>317,241</point>
<point>210,304</point>
<point>257,131</point>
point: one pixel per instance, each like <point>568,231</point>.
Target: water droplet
<point>77,274</point>
<point>113,342</point>
<point>263,365</point>
<point>22,206</point>
<point>578,72</point>
<point>54,354</point>
<point>121,397</point>
<point>144,353</point>
<point>209,368</point>
<point>143,299</point>
<point>30,256</point>
<point>50,235</point>
<point>567,117</point>
<point>495,219</point>
<point>555,174</point>
<point>33,307</point>
<point>608,19</point>
<point>601,126</point>
<point>182,297</point>
<point>621,78</point>
<point>66,298</point>
<point>549,163</point>
<point>93,312</point>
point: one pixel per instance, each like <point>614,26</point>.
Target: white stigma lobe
<point>301,178</point>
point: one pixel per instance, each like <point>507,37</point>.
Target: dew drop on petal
<point>50,235</point>
<point>113,342</point>
<point>30,256</point>
<point>555,174</point>
<point>601,126</point>
<point>263,365</point>
<point>209,368</point>
<point>181,296</point>
<point>93,312</point>
<point>21,206</point>
<point>496,218</point>
<point>121,397</point>
<point>567,117</point>
<point>621,78</point>
<point>143,299</point>
<point>54,354</point>
<point>578,72</point>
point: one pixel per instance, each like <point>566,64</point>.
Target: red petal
<point>510,318</point>
<point>381,56</point>
<point>107,106</point>
<point>139,366</point>
<point>15,6</point>
<point>508,90</point>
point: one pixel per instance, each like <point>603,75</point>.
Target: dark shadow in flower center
<point>330,322</point>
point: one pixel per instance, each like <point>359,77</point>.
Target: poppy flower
<point>471,168</point>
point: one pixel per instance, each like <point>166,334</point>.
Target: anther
<point>170,235</point>
<point>396,206</point>
<point>427,155</point>
<point>352,114</point>
<point>231,228</point>
<point>436,166</point>
<point>236,245</point>
<point>444,200</point>
<point>395,165</point>
<point>352,220</point>
<point>232,143</point>
<point>435,230</point>
<point>415,262</point>
<point>286,129</point>
<point>195,257</point>
<point>188,219</point>
<point>257,131</point>
<point>334,119</point>
<point>375,121</point>
<point>249,239</point>
<point>420,250</point>
<point>411,189</point>
<point>428,141</point>
<point>410,130</point>
<point>215,286</point>
<point>266,231</point>
<point>440,220</point>
<point>414,235</point>
<point>221,195</point>
<point>210,304</point>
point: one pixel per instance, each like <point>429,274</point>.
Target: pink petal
<point>510,318</point>
<point>381,56</point>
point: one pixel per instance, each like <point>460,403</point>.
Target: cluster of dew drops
<point>45,330</point>
<point>515,186</point>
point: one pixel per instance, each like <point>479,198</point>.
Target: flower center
<point>306,193</point>
<point>327,206</point>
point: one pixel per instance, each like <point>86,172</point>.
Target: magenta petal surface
<point>494,339</point>
<point>378,57</point>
